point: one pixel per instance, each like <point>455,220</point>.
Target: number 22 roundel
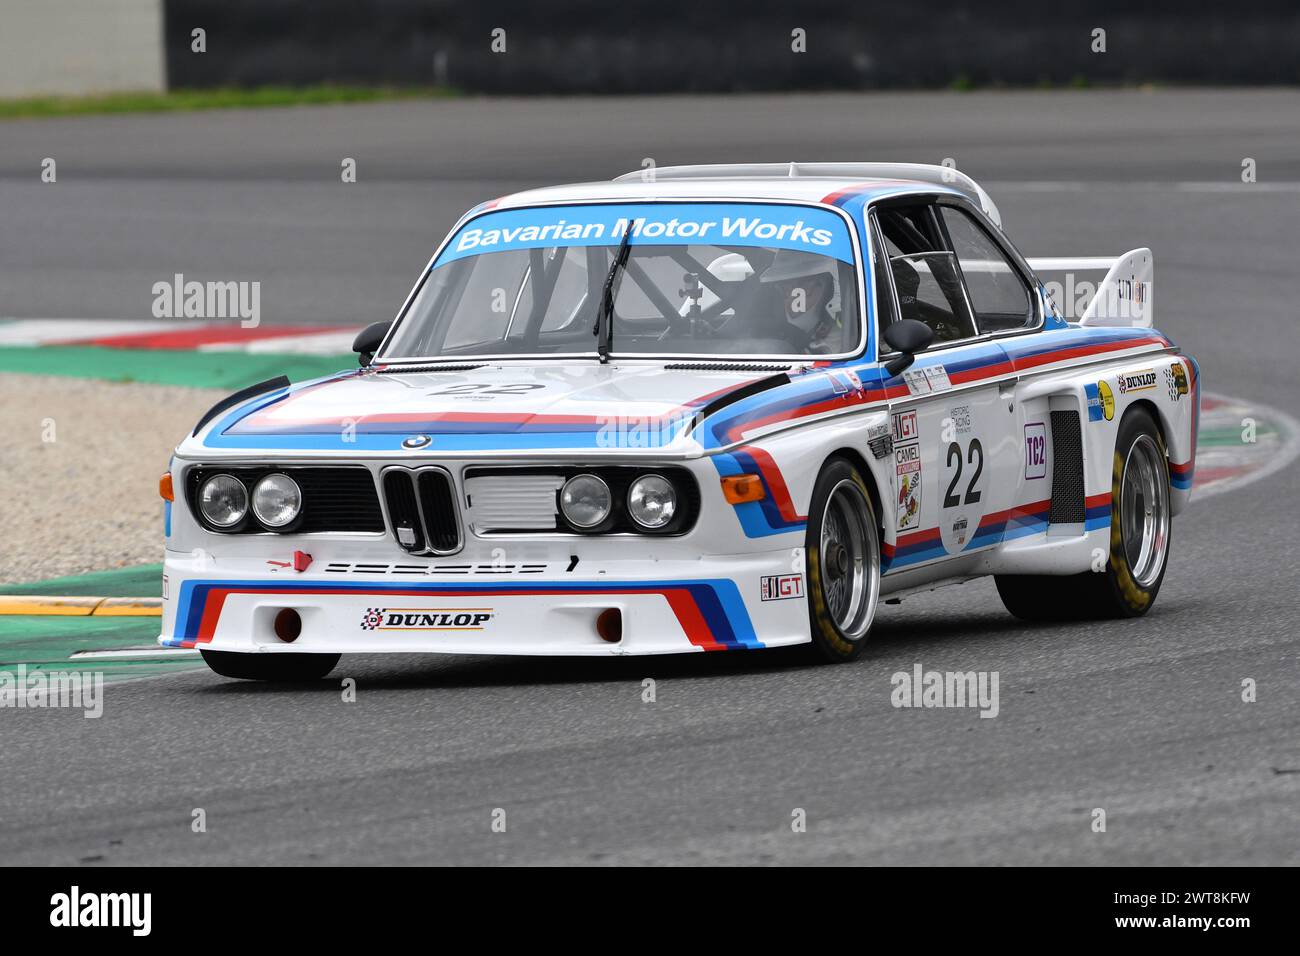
<point>963,481</point>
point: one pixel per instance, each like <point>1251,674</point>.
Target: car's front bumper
<point>666,606</point>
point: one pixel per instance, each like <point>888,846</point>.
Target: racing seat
<point>946,324</point>
<point>908,282</point>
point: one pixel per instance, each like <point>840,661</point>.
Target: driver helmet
<point>790,266</point>
<point>731,267</point>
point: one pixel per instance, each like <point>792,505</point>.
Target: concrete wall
<point>617,46</point>
<point>74,47</point>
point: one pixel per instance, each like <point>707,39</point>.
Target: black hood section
<point>270,385</point>
<point>736,394</point>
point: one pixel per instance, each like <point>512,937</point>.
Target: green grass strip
<point>228,370</point>
<point>210,99</point>
<point>141,581</point>
<point>48,643</point>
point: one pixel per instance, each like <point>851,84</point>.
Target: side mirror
<point>368,340</point>
<point>907,336</point>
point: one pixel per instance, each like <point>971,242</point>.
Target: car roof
<point>791,182</point>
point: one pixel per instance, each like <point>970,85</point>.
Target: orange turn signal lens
<point>165,488</point>
<point>738,489</point>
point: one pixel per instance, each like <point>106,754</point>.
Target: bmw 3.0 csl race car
<point>728,408</point>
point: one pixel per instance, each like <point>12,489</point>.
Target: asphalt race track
<point>1141,718</point>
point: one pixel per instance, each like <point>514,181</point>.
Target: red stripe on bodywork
<point>963,377</point>
<point>1017,511</point>
<point>864,397</point>
<point>927,536</point>
<point>775,483</point>
<point>692,621</point>
<point>930,535</point>
<point>1082,351</point>
<point>832,198</point>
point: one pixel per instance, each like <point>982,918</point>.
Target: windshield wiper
<point>604,328</point>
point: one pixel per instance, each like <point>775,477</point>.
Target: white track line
<point>155,652</point>
<point>1187,186</point>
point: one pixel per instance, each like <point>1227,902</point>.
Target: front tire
<point>1139,541</point>
<point>288,668</point>
<point>842,559</point>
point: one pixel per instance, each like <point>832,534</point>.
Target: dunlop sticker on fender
<point>1136,381</point>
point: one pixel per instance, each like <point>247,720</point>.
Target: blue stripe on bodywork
<point>1098,516</point>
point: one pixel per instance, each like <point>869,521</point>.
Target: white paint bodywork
<point>545,589</point>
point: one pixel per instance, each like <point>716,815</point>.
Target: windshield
<point>736,279</point>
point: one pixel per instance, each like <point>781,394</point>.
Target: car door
<point>952,411</point>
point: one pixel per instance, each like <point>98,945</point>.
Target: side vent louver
<point>1067,469</point>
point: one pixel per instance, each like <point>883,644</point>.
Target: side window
<point>925,272</point>
<point>998,294</point>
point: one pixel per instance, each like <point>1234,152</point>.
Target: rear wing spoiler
<point>948,176</point>
<point>1124,297</point>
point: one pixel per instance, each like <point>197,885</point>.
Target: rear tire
<point>842,559</point>
<point>1139,541</point>
<point>271,667</point>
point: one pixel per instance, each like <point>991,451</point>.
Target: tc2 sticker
<point>1036,450</point>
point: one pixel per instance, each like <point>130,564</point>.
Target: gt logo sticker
<point>1136,382</point>
<point>426,618</point>
<point>780,587</point>
<point>1035,450</point>
<point>905,426</point>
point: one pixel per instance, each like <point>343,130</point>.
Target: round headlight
<point>276,500</point>
<point>223,499</point>
<point>585,501</point>
<point>652,501</point>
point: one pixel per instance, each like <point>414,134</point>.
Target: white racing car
<point>719,408</point>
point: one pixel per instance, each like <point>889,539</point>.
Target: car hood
<point>464,411</point>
